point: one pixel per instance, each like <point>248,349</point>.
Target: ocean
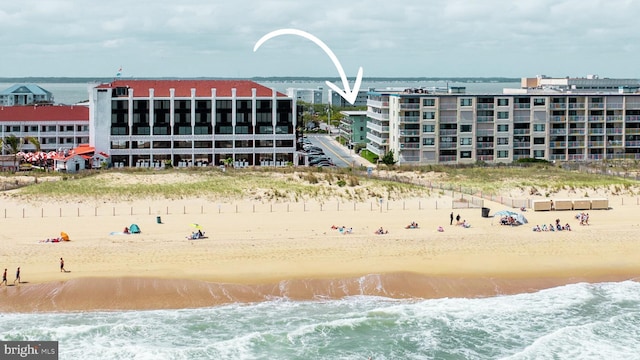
<point>71,93</point>
<point>578,321</point>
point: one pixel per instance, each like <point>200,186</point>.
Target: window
<point>503,127</point>
<point>465,128</point>
<point>465,154</point>
<point>503,141</point>
<point>429,102</point>
<point>503,154</point>
<point>538,140</point>
<point>503,115</point>
<point>428,141</point>
<point>538,102</point>
<point>503,102</point>
<point>428,115</point>
<point>538,127</point>
<point>538,154</point>
<point>465,141</point>
<point>466,102</point>
<point>428,128</point>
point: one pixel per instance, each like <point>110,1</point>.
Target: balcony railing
<point>596,131</point>
<point>558,131</point>
<point>557,157</point>
<point>596,143</point>
<point>596,106</point>
<point>522,105</point>
<point>448,132</point>
<point>446,158</point>
<point>409,145</point>
<point>614,118</point>
<point>378,116</point>
<point>615,106</point>
<point>576,105</point>
<point>596,118</point>
<point>577,131</point>
<point>632,118</point>
<point>482,119</point>
<point>557,144</point>
<point>557,118</point>
<point>410,106</point>
<point>521,119</point>
<point>448,145</point>
<point>410,119</point>
<point>635,143</point>
<point>633,105</point>
<point>484,145</point>
<point>615,130</point>
<point>576,157</point>
<point>485,132</point>
<point>558,106</point>
<point>577,118</point>
<point>484,106</point>
<point>576,144</point>
<point>521,144</point>
<point>521,131</point>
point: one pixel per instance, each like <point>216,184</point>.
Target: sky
<point>408,38</point>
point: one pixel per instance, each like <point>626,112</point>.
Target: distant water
<point>579,321</point>
<point>71,93</point>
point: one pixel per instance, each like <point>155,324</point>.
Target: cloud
<point>407,38</point>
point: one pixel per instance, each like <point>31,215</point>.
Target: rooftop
<point>183,87</point>
<point>44,113</point>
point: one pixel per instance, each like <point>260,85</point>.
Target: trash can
<point>485,212</point>
<point>159,220</point>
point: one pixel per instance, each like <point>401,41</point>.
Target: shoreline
<point>253,252</point>
<point>139,294</point>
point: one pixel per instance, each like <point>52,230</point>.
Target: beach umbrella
<point>196,226</point>
<point>64,236</point>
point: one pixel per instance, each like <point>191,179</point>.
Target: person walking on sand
<point>451,218</point>
<point>4,278</point>
<point>17,276</point>
<point>62,265</point>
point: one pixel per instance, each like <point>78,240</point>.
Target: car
<point>317,161</point>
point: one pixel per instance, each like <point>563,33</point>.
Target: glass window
<point>429,115</point>
<point>503,154</point>
<point>429,102</point>
<point>428,128</point>
<point>538,127</point>
<point>466,102</point>
<point>428,141</point>
<point>538,101</point>
<point>465,128</point>
<point>465,141</point>
<point>503,114</point>
<point>503,127</point>
<point>503,102</point>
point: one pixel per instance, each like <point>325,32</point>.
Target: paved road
<point>341,155</point>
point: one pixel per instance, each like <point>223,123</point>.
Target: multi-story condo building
<point>336,99</point>
<point>54,126</point>
<point>353,127</point>
<point>192,122</point>
<point>428,127</point>
<point>309,96</point>
<point>25,94</point>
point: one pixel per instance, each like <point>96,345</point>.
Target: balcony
<point>615,143</point>
<point>635,143</point>
<point>576,105</point>
<point>378,116</point>
<point>522,105</point>
<point>596,118</point>
<point>410,145</point>
<point>484,158</point>
<point>521,131</point>
<point>448,145</point>
<point>484,106</point>
<point>484,119</point>
<point>614,118</point>
<point>577,118</point>
<point>409,132</point>
<point>485,132</point>
<point>377,127</point>
<point>409,119</point>
<point>576,157</point>
<point>596,131</point>
<point>558,131</point>
<point>446,158</point>
<point>376,139</point>
<point>633,105</point>
<point>577,131</point>
<point>411,106</point>
<point>448,132</point>
<point>484,145</point>
<point>449,119</point>
<point>557,157</point>
<point>557,144</point>
<point>615,106</point>
<point>378,104</point>
<point>632,131</point>
<point>557,119</point>
<point>558,106</point>
<point>521,119</point>
<point>576,144</point>
<point>521,144</point>
<point>596,144</point>
<point>632,118</point>
<point>611,131</point>
<point>596,106</point>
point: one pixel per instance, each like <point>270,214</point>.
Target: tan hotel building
<point>145,123</point>
<point>574,120</point>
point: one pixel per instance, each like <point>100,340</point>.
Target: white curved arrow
<point>348,94</point>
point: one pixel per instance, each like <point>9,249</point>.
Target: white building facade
<point>192,123</point>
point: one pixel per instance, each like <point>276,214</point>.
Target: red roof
<point>183,87</point>
<point>44,113</point>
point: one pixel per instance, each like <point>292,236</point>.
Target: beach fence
<point>244,207</point>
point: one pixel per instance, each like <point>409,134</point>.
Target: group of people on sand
<point>413,225</point>
<point>342,229</point>
<point>381,231</point>
<point>53,240</point>
<point>552,227</point>
<point>462,223</point>
<point>583,218</point>
<point>196,235</point>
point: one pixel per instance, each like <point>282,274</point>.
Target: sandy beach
<point>258,250</point>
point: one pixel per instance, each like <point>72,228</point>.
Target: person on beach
<point>4,278</point>
<point>17,276</point>
<point>458,219</point>
<point>451,218</point>
<point>62,265</point>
